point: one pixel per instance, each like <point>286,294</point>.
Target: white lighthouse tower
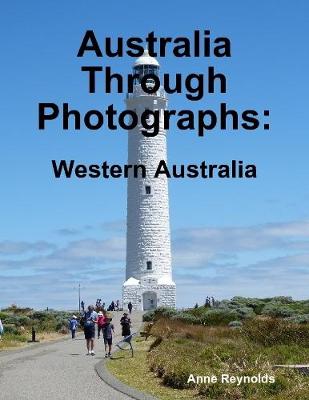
<point>149,281</point>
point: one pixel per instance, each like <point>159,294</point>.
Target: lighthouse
<point>149,282</point>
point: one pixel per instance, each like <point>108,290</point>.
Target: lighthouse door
<point>149,301</point>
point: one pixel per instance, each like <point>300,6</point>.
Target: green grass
<point>12,340</point>
<point>135,373</point>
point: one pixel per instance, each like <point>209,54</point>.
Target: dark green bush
<point>219,317</point>
<point>245,312</point>
<point>149,316</point>
<point>12,330</point>
<point>168,313</point>
<point>17,320</point>
<point>154,315</point>
<point>41,315</point>
<point>277,310</point>
<point>186,317</point>
<point>3,315</point>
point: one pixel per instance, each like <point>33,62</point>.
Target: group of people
<point>103,320</point>
<point>113,306</point>
<point>210,302</point>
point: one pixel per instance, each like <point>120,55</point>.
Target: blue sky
<point>229,237</point>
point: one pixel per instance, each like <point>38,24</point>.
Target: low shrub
<point>272,331</point>
<point>283,299</point>
<point>3,315</point>
<point>277,310</point>
<point>42,315</point>
<point>219,317</point>
<point>235,324</point>
<point>187,318</point>
<point>174,359</point>
<point>14,309</point>
<point>158,313</point>
<point>11,330</point>
<point>167,313</point>
<point>149,316</point>
<point>173,328</point>
<point>245,312</point>
<point>17,320</point>
<point>164,361</point>
<point>299,319</point>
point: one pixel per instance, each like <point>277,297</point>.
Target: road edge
<point>116,384</point>
<point>30,346</point>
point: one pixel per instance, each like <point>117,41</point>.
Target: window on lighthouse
<point>142,70</point>
<point>148,189</point>
<point>149,265</point>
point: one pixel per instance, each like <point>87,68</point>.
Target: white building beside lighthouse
<point>149,282</point>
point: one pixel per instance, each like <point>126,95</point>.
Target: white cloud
<point>262,260</point>
<point>9,247</point>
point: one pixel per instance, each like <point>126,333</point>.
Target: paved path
<point>58,371</point>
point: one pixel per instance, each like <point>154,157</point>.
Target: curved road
<point>59,370</point>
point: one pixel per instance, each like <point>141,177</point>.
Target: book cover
<point>154,168</point>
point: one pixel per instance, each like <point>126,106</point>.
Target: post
<point>33,340</point>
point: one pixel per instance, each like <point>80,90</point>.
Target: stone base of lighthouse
<point>149,293</point>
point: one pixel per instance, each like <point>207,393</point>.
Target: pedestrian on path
<point>1,329</point>
<point>130,307</point>
<point>89,321</point>
<point>101,322</point>
<point>73,325</point>
<point>125,323</point>
<point>108,331</point>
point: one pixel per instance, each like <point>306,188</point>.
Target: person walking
<point>89,321</point>
<point>108,331</point>
<point>1,329</point>
<point>73,326</point>
<point>101,322</point>
<point>130,306</point>
<point>125,323</point>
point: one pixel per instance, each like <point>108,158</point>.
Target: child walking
<point>108,331</point>
<point>73,325</point>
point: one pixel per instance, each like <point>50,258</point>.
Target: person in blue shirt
<point>108,331</point>
<point>73,325</point>
<point>90,318</point>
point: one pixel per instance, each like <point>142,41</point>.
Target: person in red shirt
<point>101,322</point>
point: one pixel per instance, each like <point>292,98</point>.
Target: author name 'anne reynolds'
<point>231,379</point>
<point>234,169</point>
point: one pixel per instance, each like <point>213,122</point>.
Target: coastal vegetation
<point>19,321</point>
<point>244,338</point>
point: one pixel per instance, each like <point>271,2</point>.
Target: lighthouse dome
<point>146,59</point>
